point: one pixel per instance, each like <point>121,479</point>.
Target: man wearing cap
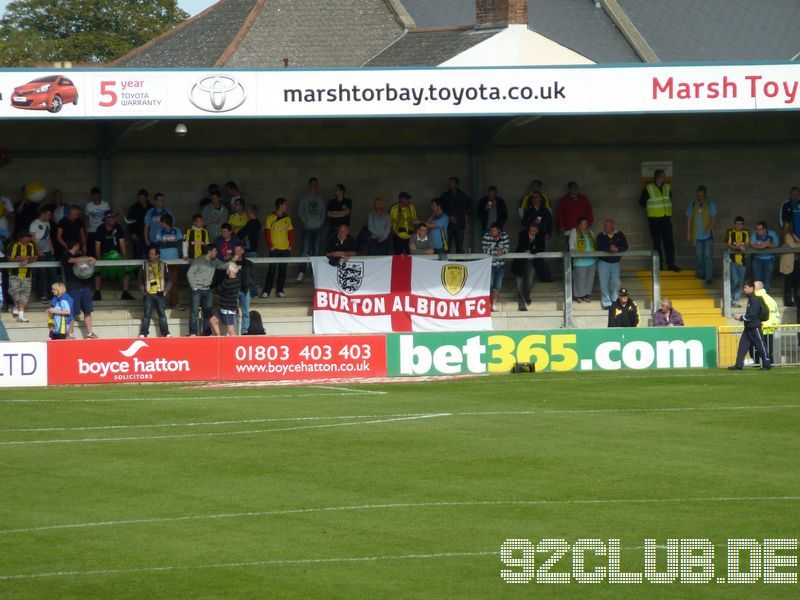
<point>403,216</point>
<point>623,312</point>
<point>109,244</point>
<point>752,336</point>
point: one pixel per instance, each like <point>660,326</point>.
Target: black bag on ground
<point>256,324</point>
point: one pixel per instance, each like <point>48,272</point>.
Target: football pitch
<point>403,490</point>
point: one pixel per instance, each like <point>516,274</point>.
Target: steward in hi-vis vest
<point>656,198</point>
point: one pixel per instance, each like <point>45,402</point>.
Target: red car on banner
<point>48,93</point>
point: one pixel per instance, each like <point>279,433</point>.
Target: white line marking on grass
<point>168,398</point>
<point>353,390</point>
<point>254,563</point>
<point>219,433</point>
<point>624,410</point>
<point>399,505</point>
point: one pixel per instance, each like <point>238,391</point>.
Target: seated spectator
<point>22,251</point>
<point>228,290</point>
<point>581,239</point>
<point>110,245</point>
<point>155,282</point>
<point>60,312</point>
<point>761,265</point>
<point>341,246</point>
<point>420,242</point>
<point>495,242</point>
<point>523,267</point>
<point>492,209</point>
<point>624,312</point>
<point>380,228</point>
<point>226,242</point>
<point>666,316</point>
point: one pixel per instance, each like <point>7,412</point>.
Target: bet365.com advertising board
<point>559,350</point>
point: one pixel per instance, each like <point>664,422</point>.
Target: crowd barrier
<point>338,357</point>
<point>785,344</point>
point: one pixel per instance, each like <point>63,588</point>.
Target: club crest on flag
<point>454,277</point>
<point>349,276</point>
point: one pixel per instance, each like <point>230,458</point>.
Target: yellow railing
<point>785,344</point>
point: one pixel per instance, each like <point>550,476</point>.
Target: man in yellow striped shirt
<point>19,284</point>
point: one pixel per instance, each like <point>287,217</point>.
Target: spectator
<point>380,228</point>
<point>135,222</point>
<point>110,245</point>
<point>738,239</point>
<point>339,208</point>
<point>311,213</point>
<point>247,275</point>
<point>95,209</point>
<point>228,290</point>
<point>768,326</point>
<point>420,242</point>
<point>656,197</point>
<point>25,211</point>
<point>403,216</point>
<point>523,267</point>
<point>624,312</point>
<point>71,230</point>
<point>238,217</point>
<point>790,212</point>
<point>581,239</point>
<point>201,276</point>
<point>536,212</point>
<point>206,200</point>
<point>169,239</point>
<point>437,226</point>
<point>77,287</point>
<point>761,265</point>
<point>752,336</point>
<point>58,208</point>
<point>6,211</point>
<point>279,233</point>
<point>40,234</point>
<point>195,238</point>
<point>666,316</point>
<point>231,194</point>
<point>492,209</point>
<point>225,242</point>
<point>59,313</point>
<point>3,331</point>
<point>701,218</point>
<point>155,282</point>
<point>458,207</point>
<point>790,267</point>
<point>341,246</point>
<point>495,242</point>
<point>526,201</point>
<point>22,251</point>
<point>249,236</point>
<point>214,214</point>
<point>608,267</point>
<point>152,220</point>
<point>572,205</point>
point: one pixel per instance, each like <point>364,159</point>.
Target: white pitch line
<point>167,398</point>
<point>254,563</point>
<point>398,505</point>
<point>624,410</point>
<point>346,389</point>
<point>218,433</point>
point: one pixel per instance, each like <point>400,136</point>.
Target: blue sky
<point>191,6</point>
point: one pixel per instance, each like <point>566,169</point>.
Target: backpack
<point>256,324</point>
<point>764,314</point>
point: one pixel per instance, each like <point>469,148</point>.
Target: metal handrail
<point>727,294</point>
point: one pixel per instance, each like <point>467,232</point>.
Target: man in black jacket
<point>624,312</point>
<point>752,337</point>
<point>247,275</point>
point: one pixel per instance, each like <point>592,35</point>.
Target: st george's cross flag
<point>401,293</point>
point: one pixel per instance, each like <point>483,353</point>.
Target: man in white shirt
<point>40,233</point>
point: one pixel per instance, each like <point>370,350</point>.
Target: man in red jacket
<point>571,206</point>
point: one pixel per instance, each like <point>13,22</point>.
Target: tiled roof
<point>428,48</point>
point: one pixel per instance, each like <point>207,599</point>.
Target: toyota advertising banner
<point>595,89</point>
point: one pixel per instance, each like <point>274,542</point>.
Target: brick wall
<point>499,13</point>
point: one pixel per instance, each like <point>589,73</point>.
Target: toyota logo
<point>218,93</point>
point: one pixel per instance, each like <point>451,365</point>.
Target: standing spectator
<point>249,236</point>
<point>666,316</point>
<point>572,205</point>
<point>495,242</point>
<point>536,212</point>
<point>523,267</point>
<point>380,228</point>
<point>656,197</point>
<point>231,193</point>
<point>22,251</point>
<point>527,200</point>
<point>78,288</point>
<point>581,239</point>
<point>624,312</point>
<point>247,275</point>
<point>761,265</point>
<point>280,236</point>
<point>95,209</point>
<point>168,239</point>
<point>738,238</point>
<point>238,217</point>
<point>403,216</point>
<point>420,242</point>
<point>110,245</point>
<point>341,246</point>
<point>437,226</point>
<point>773,319</point>
<point>790,267</point>
<point>3,331</point>
<point>214,214</point>
<point>790,211</point>
<point>458,207</point>
<point>492,209</point>
<point>6,211</point>
<point>71,230</point>
<point>608,267</point>
<point>228,290</point>
<point>201,276</point>
<point>58,207</point>
<point>225,242</point>
<point>311,213</point>
<point>195,238</point>
<point>339,208</point>
<point>40,233</point>
<point>25,211</point>
<point>752,336</point>
<point>152,219</point>
<point>135,222</point>
<point>210,190</point>
<point>701,218</point>
<point>155,282</point>
<point>59,313</point>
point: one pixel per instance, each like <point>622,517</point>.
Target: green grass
<point>284,502</point>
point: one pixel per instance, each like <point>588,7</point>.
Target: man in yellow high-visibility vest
<point>656,197</point>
